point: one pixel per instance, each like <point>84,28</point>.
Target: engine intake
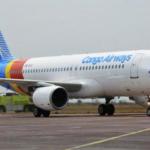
<point>50,98</point>
<point>59,98</point>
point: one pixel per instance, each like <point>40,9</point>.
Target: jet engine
<point>50,98</point>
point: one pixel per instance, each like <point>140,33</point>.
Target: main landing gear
<point>37,112</point>
<point>106,109</point>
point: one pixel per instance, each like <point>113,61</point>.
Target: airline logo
<point>5,54</point>
<point>106,59</point>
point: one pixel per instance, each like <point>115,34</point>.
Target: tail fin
<point>5,54</point>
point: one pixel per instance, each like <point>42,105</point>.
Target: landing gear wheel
<point>46,113</point>
<point>37,112</point>
<point>110,109</point>
<point>102,109</point>
<point>148,111</point>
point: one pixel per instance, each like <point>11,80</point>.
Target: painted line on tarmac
<point>108,139</point>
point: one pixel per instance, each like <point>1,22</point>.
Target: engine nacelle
<point>50,98</point>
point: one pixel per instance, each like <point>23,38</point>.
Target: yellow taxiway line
<point>108,139</point>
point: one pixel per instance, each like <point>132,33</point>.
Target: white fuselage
<point>102,74</point>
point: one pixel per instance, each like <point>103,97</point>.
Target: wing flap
<point>70,87</point>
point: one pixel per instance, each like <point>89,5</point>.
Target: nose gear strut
<point>148,108</point>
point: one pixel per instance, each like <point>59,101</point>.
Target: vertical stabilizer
<point>5,54</point>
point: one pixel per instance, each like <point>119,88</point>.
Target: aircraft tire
<point>110,109</point>
<point>102,109</point>
<point>45,113</point>
<point>148,111</point>
<point>37,112</point>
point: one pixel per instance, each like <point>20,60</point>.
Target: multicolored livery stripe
<point>14,70</point>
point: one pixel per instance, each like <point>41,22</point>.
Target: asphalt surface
<point>69,132</point>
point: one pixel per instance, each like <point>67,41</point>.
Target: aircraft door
<point>134,70</point>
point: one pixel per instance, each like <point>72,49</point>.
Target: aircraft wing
<point>70,87</point>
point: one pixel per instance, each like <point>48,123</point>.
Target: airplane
<point>52,81</point>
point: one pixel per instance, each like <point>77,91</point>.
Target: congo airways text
<point>107,59</point>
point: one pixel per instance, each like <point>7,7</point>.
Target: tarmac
<point>69,132</point>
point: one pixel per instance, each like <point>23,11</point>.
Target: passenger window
<point>83,68</point>
<point>112,67</point>
<point>119,66</point>
<point>76,69</point>
<point>122,65</point>
<point>86,67</point>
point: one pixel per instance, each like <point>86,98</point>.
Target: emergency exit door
<point>134,70</point>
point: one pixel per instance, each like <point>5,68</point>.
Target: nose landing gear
<point>148,109</point>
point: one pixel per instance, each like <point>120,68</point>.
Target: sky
<point>36,28</point>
